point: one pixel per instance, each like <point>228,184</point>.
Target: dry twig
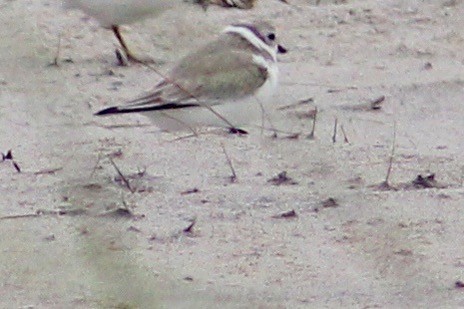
<point>233,177</point>
<point>124,179</point>
<point>386,183</point>
<point>334,136</point>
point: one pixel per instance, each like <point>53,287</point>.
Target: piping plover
<point>112,13</point>
<point>222,84</point>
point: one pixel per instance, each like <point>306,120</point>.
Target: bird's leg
<point>126,50</point>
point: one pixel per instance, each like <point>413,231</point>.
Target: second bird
<point>113,13</point>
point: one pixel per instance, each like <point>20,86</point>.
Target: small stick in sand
<point>16,166</point>
<point>124,179</point>
<point>377,103</point>
<point>233,177</point>
<point>20,216</point>
<point>48,171</point>
<point>55,62</point>
<point>96,165</point>
<point>345,138</point>
<point>299,103</point>
<point>334,136</point>
<point>9,157</point>
<point>189,228</point>
<point>122,62</point>
<point>386,183</point>
<point>121,212</point>
<point>190,191</point>
<point>311,135</point>
<point>286,215</point>
<point>41,212</point>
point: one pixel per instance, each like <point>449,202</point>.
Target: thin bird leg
<point>126,50</point>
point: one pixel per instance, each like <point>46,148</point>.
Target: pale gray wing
<point>207,79</point>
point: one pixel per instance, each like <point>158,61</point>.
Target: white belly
<point>248,111</point>
<point>118,12</point>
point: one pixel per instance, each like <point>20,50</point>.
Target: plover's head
<point>260,36</point>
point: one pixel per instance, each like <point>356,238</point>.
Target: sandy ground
<point>350,244</point>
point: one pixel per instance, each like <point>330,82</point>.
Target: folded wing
<point>200,80</point>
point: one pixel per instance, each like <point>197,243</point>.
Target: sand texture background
<point>351,242</point>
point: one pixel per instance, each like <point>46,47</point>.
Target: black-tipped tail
<point>140,108</point>
<point>109,111</point>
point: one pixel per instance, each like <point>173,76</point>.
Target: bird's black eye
<point>271,36</point>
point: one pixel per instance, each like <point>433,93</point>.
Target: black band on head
<point>252,29</point>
